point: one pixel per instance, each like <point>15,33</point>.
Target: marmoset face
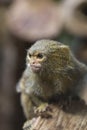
<point>35,60</point>
<point>47,55</point>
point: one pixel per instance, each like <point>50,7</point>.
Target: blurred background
<point>22,22</point>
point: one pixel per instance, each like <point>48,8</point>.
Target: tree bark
<point>68,117</point>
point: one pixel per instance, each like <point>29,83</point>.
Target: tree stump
<point>68,117</point>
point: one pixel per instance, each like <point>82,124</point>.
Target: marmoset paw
<point>44,110</point>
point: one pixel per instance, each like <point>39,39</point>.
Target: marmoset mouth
<point>35,67</point>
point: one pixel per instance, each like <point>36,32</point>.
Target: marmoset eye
<point>29,55</point>
<point>40,56</point>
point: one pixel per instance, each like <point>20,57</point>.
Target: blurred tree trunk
<point>7,72</point>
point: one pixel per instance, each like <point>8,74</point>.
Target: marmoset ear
<point>64,55</point>
<point>64,52</point>
<point>65,49</point>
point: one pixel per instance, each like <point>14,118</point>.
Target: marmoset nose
<point>33,62</point>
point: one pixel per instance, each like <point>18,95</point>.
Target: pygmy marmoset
<point>51,69</point>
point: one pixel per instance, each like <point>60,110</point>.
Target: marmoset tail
<point>51,69</point>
